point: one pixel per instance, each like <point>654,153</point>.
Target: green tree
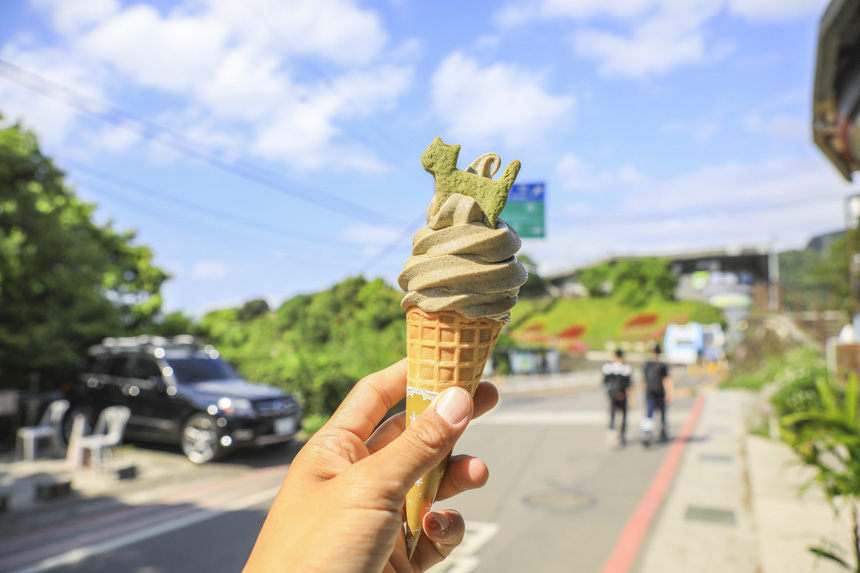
<point>633,281</point>
<point>535,285</point>
<point>596,280</point>
<point>832,270</point>
<point>636,281</point>
<point>65,282</point>
<point>316,345</point>
<point>252,309</point>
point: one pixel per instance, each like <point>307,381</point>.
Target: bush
<point>312,424</point>
<point>797,375</point>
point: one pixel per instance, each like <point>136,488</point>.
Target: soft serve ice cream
<point>459,264</point>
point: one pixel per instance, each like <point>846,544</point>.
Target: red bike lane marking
<point>630,541</point>
<point>97,528</point>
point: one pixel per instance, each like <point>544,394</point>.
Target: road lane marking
<point>80,554</point>
<point>629,542</point>
<point>201,493</point>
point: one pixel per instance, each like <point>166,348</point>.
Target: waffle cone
<point>443,349</point>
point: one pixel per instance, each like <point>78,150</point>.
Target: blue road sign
<point>524,210</point>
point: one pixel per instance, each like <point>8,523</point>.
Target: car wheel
<point>200,439</point>
<point>69,420</point>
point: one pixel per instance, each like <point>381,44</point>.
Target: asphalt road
<point>557,499</point>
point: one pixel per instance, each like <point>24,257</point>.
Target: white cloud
<point>672,36</point>
<point>303,134</point>
<point>779,127</point>
<point>499,101</point>
<point>239,73</point>
<point>699,130</point>
<point>522,12</point>
<point>338,31</point>
<point>210,270</point>
<point>776,9</point>
<point>634,38</point>
<point>372,238</point>
<point>175,53</point>
<point>52,121</point>
<point>361,234</point>
<point>785,200</point>
<point>69,17</point>
<point>778,117</point>
<point>575,174</point>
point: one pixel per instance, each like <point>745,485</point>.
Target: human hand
<point>340,507</point>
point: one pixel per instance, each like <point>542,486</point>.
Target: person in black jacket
<point>658,390</point>
<point>616,382</point>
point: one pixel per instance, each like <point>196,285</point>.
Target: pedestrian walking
<point>617,382</point>
<point>659,391</point>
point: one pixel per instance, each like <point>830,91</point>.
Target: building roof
<point>728,252</point>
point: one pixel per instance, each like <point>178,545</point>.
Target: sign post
<point>524,210</point>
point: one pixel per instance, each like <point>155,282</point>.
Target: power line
<point>177,142</point>
<point>176,223</point>
<point>407,231</point>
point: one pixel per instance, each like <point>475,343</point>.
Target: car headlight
<point>236,407</point>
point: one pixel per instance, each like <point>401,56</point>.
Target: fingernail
<point>439,523</point>
<point>453,405</point>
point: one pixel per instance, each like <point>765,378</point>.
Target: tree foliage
<point>535,285</point>
<point>633,281</point>
<point>65,281</point>
<point>316,345</point>
<point>818,279</point>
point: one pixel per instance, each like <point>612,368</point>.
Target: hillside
<point>588,323</point>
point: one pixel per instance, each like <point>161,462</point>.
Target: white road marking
<point>80,554</point>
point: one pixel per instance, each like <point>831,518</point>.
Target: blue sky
<point>657,125</point>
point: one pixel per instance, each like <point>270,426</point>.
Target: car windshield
<point>191,370</point>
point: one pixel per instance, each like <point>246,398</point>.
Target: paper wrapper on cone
<point>443,349</point>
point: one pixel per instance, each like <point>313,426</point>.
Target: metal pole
<point>773,280</point>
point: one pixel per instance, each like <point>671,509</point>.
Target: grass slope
<point>605,318</point>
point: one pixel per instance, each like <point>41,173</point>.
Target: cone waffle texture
<point>444,349</point>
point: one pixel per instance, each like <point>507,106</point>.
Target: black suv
<point>180,391</point>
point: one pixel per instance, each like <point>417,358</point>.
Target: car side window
<point>96,364</point>
<point>145,368</point>
<point>120,366</point>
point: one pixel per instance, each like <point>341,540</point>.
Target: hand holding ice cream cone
<point>339,507</point>
<point>461,282</point>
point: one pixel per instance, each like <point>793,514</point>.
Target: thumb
<point>424,444</point>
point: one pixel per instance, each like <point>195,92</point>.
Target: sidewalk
<point>734,505</point>
<point>159,474</point>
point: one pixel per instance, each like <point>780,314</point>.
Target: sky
<point>267,148</point>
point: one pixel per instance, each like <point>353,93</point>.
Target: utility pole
<point>773,278</point>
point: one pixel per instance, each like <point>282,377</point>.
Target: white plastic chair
<point>51,426</point>
<point>107,434</point>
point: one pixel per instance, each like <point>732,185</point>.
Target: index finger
<point>369,401</point>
